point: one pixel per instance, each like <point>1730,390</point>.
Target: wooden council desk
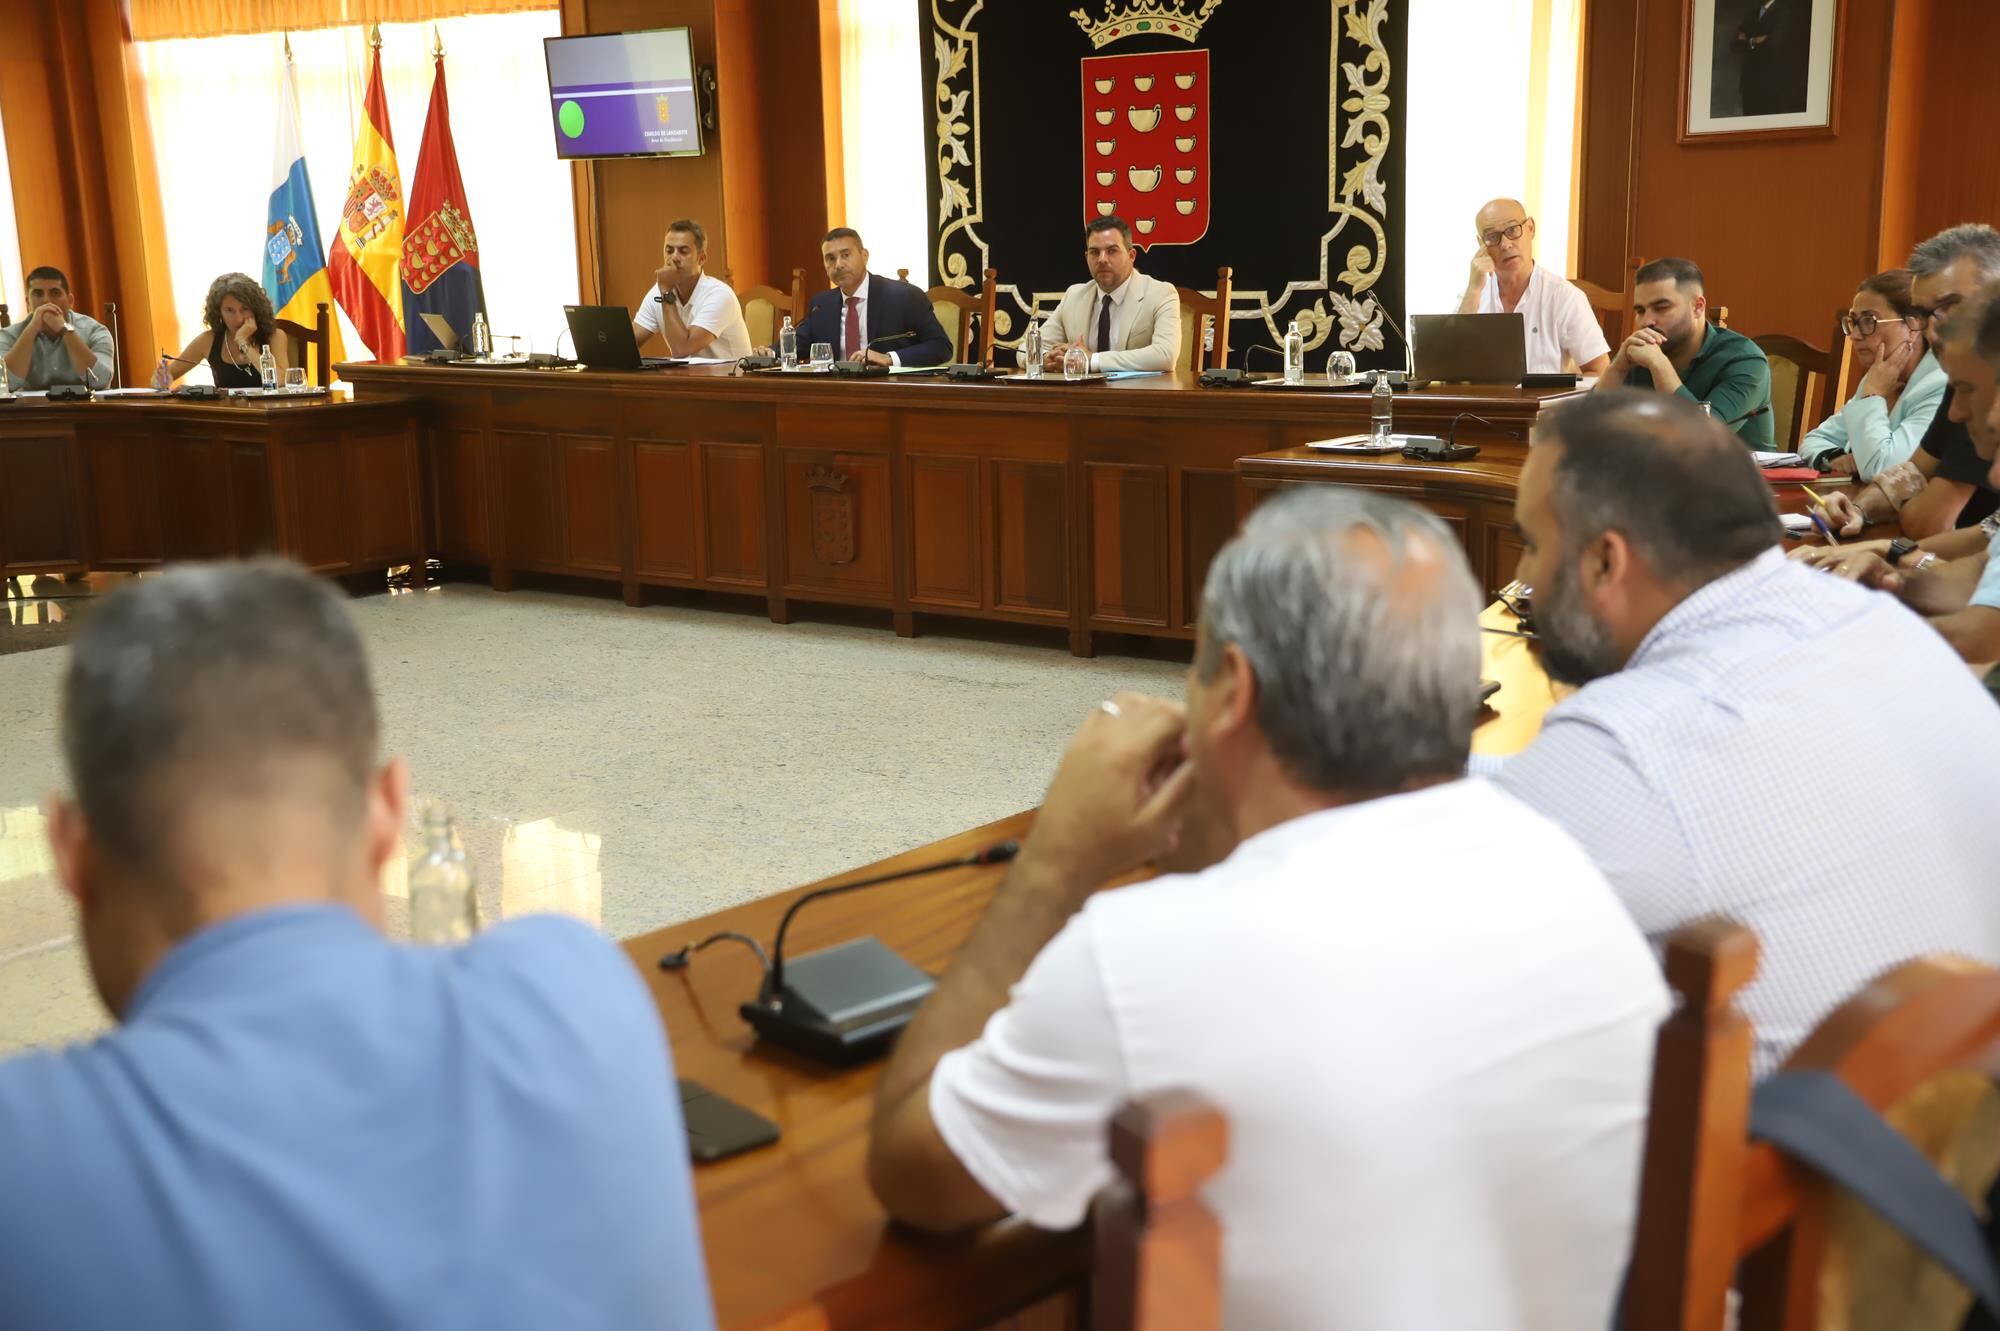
<point>794,1238</point>
<point>1094,508</point>
<point>135,482</point>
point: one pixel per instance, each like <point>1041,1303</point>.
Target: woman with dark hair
<point>1901,386</point>
<point>238,323</point>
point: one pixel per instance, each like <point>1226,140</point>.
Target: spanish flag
<point>368,246</point>
<point>294,256</point>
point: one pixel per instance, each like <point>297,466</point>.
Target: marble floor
<point>634,767</point>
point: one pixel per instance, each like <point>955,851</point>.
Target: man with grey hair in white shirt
<point>1433,1057</point>
<point>1707,663</point>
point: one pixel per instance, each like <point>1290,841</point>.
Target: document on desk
<point>708,360</point>
<point>1113,376</point>
<point>128,392</point>
<point>1768,459</point>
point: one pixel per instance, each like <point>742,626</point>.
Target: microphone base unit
<point>855,369</point>
<point>843,1006</point>
<point>972,370</point>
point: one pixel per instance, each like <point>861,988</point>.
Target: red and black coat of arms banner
<point>1266,135</point>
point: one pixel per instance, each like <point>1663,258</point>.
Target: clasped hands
<point>1646,349</point>
<point>49,319</point>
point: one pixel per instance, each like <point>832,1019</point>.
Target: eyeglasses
<point>1511,231</point>
<point>1862,323</point>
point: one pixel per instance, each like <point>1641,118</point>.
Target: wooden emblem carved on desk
<point>833,515</point>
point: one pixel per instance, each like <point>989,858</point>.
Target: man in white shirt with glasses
<point>1562,329</point>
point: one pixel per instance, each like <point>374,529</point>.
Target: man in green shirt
<point>1676,350</point>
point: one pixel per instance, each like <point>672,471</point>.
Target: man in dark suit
<point>864,311</point>
<point>1774,41</point>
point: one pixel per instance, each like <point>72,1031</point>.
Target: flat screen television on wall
<point>624,94</point>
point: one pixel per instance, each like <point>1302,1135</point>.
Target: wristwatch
<point>1899,550</point>
<point>68,327</point>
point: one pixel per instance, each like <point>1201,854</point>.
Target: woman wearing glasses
<point>1901,384</point>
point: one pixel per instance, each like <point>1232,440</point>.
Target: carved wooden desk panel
<point>1090,507</point>
<point>134,483</point>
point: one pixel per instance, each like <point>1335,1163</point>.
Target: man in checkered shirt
<point>1709,664</point>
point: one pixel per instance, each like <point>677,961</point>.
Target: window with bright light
<point>11,273</point>
<point>882,134</point>
<point>213,101</point>
<point>1490,113</point>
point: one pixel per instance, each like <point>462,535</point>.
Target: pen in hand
<point>1817,512</point>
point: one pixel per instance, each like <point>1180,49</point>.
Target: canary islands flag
<point>294,255</point>
<point>368,244</point>
<point>441,252</point>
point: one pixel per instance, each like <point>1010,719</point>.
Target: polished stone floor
<point>635,767</point>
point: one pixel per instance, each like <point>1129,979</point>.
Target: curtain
<point>882,134</point>
<point>213,99</point>
<point>80,158</point>
<point>1492,114</point>
<point>161,20</point>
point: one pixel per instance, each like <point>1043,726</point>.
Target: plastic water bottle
<point>788,345</point>
<point>1031,348</point>
<point>1382,408</point>
<point>1295,355</point>
<point>482,338</point>
<point>444,900</point>
<point>267,369</point>
<point>6,381</point>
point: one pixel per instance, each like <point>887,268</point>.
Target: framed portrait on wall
<point>1762,68</point>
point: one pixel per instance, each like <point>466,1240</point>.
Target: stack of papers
<point>1765,459</point>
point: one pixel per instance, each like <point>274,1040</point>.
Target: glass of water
<point>295,379</point>
<point>822,355</point>
<point>1340,367</point>
<point>1076,363</point>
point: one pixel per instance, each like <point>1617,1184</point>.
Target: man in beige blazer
<point>1124,319</point>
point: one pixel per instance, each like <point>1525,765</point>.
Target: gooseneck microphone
<point>117,366</point>
<point>845,1004</point>
<point>1409,352</point>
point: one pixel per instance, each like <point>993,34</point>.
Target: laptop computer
<point>441,329</point>
<point>1470,348</point>
<point>602,335</point>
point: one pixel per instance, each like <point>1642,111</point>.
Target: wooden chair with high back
<point>764,308</point>
<point>955,308</point>
<point>1919,1045</point>
<point>1803,382</point>
<point>1158,1248</point>
<point>6,320</point>
<point>1612,308</point>
<point>318,339</point>
<point>1200,312</point>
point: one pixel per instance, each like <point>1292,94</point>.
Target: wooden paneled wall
<point>1944,106</point>
<point>760,188</point>
<point>1784,228</point>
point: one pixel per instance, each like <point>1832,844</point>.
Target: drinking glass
<point>1076,363</point>
<point>295,378</point>
<point>822,355</point>
<point>1340,367</point>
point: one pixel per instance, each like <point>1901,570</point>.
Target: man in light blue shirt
<point>298,1123</point>
<point>55,345</point>
<point>1708,663</point>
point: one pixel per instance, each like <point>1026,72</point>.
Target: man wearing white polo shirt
<point>1562,329</point>
<point>696,314</point>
